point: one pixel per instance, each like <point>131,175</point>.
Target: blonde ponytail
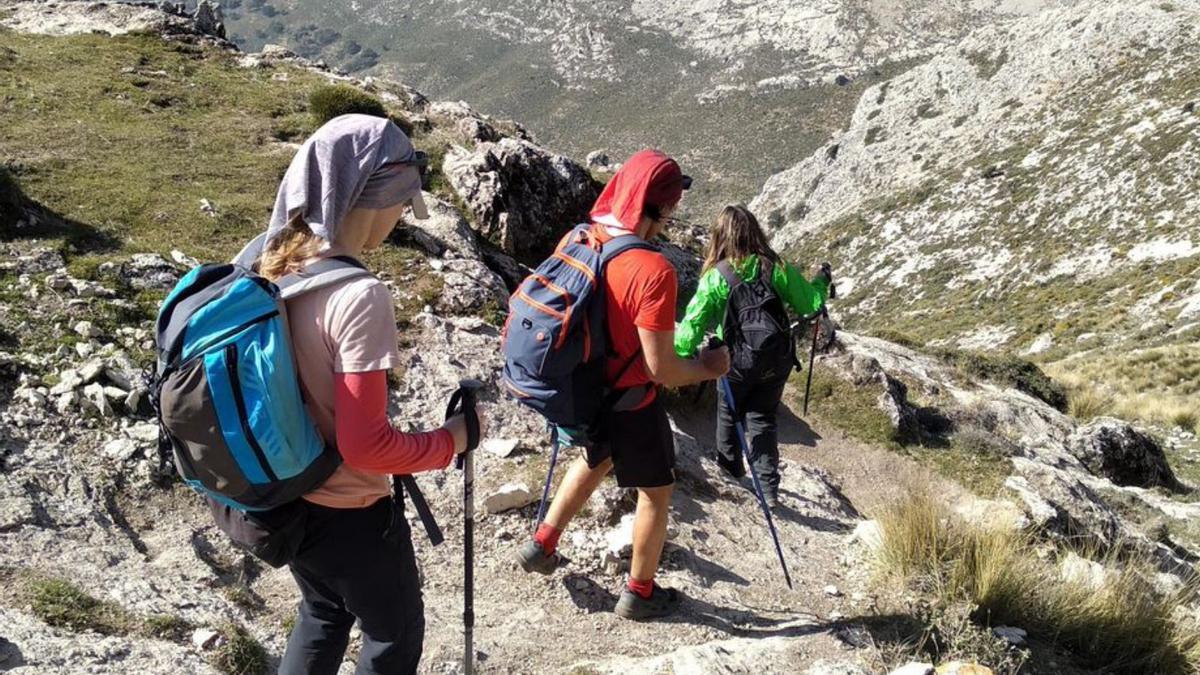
<point>288,250</point>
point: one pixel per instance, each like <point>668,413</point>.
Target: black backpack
<point>756,327</point>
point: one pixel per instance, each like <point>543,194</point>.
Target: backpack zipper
<point>231,363</point>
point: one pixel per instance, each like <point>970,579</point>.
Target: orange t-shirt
<point>640,289</point>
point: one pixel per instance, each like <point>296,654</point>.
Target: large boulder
<point>1059,502</point>
<point>521,196</point>
<point>1121,453</point>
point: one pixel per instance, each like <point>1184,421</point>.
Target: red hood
<point>649,177</point>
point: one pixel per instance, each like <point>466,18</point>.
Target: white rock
<point>85,349</point>
<point>120,449</point>
<point>869,534</point>
<point>509,496</point>
<point>500,447</point>
<point>96,400</point>
<point>68,380</point>
<point>205,638</point>
<point>619,540</point>
<point>143,431</point>
<point>1010,634</point>
<point>1076,569</point>
<point>91,371</point>
<point>833,591</point>
<point>87,329</point>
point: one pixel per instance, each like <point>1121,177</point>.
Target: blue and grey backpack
<point>226,390</point>
<point>555,339</point>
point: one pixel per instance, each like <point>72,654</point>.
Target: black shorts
<point>641,446</point>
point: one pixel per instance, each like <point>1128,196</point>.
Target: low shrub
<point>330,101</point>
<point>1015,372</point>
<point>240,653</point>
<point>62,604</point>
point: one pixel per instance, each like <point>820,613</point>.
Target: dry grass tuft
<point>1119,623</point>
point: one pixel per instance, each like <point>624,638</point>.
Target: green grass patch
<point>851,409</point>
<point>64,605</point>
<point>240,653</point>
<point>91,146</point>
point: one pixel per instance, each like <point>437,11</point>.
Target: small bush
<point>167,627</point>
<point>1123,625</point>
<point>328,102</point>
<point>898,337</point>
<point>1015,372</point>
<point>240,654</point>
<point>64,605</point>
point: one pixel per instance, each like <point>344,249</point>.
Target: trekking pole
<point>812,358</point>
<point>554,447</point>
<point>463,403</point>
<point>727,391</point>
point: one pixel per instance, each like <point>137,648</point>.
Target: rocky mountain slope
<point>108,564</point>
<point>1031,189</point>
<point>736,89</point>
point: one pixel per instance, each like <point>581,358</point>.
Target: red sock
<point>644,588</point>
<point>547,535</point>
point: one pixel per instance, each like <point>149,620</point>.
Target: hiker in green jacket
<point>756,328</point>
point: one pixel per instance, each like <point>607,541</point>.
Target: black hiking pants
<point>347,570</point>
<point>756,405</point>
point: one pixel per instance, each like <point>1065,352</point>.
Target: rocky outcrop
<point>1121,453</point>
<point>522,197</point>
<point>1031,158</point>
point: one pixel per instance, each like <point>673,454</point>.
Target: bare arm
<point>666,367</point>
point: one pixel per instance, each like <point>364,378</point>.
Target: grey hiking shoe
<point>662,602</point>
<point>532,558</point>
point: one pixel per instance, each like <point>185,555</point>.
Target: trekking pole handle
<point>462,402</point>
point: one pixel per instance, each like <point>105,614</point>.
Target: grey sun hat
<point>352,161</point>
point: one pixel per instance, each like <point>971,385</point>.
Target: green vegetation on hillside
<point>122,152</point>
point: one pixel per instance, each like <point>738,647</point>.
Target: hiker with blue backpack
<point>272,393</point>
<point>743,291</point>
<point>589,337</point>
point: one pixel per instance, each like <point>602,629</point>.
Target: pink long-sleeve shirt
<point>344,338</point>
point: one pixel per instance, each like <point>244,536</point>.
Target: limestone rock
<point>522,197</point>
<point>1010,634</point>
<point>510,496</point>
<point>1120,452</point>
<point>150,271</point>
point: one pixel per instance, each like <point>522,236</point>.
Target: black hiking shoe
<point>662,602</point>
<point>772,500</point>
<point>532,558</point>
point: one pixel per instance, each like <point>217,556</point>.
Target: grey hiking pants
<point>756,405</point>
<point>348,570</point>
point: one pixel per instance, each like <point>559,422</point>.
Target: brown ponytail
<point>288,250</point>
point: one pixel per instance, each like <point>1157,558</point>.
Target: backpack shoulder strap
<point>729,274</point>
<point>321,274</point>
<point>618,245</point>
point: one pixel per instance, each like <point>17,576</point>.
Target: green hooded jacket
<point>707,308</point>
